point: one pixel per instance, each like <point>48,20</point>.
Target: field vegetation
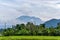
<point>30,38</point>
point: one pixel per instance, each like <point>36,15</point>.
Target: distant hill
<point>35,20</point>
<point>26,19</point>
<point>52,22</point>
<point>21,19</point>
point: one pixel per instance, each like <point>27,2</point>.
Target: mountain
<point>26,19</point>
<point>19,20</point>
<point>52,22</point>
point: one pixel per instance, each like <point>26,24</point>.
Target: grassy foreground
<point>30,38</point>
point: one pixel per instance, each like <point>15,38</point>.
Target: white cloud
<point>44,9</point>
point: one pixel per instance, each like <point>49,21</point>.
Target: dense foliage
<point>31,30</point>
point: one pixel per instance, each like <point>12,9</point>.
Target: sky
<point>43,9</point>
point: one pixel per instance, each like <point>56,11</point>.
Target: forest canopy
<point>31,29</point>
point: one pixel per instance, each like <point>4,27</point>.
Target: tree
<point>41,29</point>
<point>58,26</point>
<point>31,27</point>
<point>8,31</point>
<point>23,32</point>
<point>51,31</point>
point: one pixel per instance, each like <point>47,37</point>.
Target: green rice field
<point>30,38</point>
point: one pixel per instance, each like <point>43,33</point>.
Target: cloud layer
<point>43,9</point>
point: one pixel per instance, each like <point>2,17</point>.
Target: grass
<point>30,38</point>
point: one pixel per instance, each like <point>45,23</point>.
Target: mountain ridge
<point>52,22</point>
<point>26,19</point>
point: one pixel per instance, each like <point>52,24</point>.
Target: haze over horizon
<point>43,9</point>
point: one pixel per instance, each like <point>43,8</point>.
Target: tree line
<point>31,29</point>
